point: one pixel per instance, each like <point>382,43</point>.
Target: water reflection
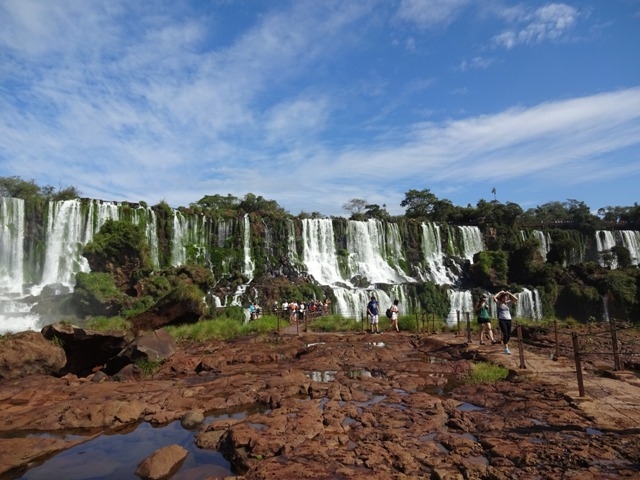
<point>115,456</point>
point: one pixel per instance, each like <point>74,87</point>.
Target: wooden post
<point>576,354</point>
<point>555,327</point>
<point>521,346</point>
<point>614,344</point>
<point>468,328</point>
<point>458,319</point>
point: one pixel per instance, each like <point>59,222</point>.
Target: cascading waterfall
<point>14,315</point>
<point>367,247</point>
<point>433,255</point>
<point>249,265</point>
<point>471,239</point>
<point>605,308</point>
<point>461,301</point>
<point>368,250</point>
<point>631,241</point>
<point>11,244</point>
<point>292,252</point>
<point>68,230</point>
<point>528,304</point>
<point>371,260</point>
<point>605,241</point>
<point>191,239</point>
<point>545,242</point>
<point>147,217</point>
<point>319,251</point>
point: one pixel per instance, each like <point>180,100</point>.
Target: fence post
<point>458,319</point>
<point>576,354</point>
<point>520,346</point>
<point>555,327</point>
<point>468,328</point>
<point>614,344</point>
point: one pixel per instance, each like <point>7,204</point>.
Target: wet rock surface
<point>350,406</point>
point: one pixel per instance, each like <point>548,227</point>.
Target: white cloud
<point>549,23</point>
<point>430,14</point>
<point>475,63</point>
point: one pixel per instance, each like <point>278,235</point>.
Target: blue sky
<point>313,103</point>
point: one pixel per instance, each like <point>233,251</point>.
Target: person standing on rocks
<point>503,298</point>
<point>394,315</point>
<point>372,312</point>
<point>484,320</point>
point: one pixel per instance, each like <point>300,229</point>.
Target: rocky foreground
<point>343,406</point>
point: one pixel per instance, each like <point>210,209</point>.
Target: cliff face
<point>42,244</point>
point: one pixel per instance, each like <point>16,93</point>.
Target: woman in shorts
<point>484,320</point>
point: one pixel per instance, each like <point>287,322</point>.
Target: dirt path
<point>612,403</point>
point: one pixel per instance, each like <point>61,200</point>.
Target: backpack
<point>389,313</point>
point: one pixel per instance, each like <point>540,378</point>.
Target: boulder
<point>184,304</point>
<point>86,350</point>
<point>154,346</point>
<point>29,353</point>
<point>162,463</point>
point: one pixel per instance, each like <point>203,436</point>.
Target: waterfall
<point>545,242</point>
<point>67,231</point>
<point>528,305</point>
<point>433,256</point>
<point>191,240</point>
<point>292,251</point>
<point>146,217</point>
<point>180,232</point>
<point>605,241</point>
<point>11,244</point>
<point>631,241</point>
<point>319,251</point>
<point>368,253</point>
<point>461,301</point>
<point>225,229</point>
<point>471,241</point>
<point>14,315</point>
<point>605,308</point>
<point>246,246</point>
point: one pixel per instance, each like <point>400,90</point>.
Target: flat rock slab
<point>351,405</point>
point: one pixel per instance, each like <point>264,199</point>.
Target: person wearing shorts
<point>484,320</point>
<point>372,312</point>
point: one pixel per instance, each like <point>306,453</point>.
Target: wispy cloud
<point>134,103</point>
<point>431,14</point>
<point>549,23</point>
<point>475,63</point>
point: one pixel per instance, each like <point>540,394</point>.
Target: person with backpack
<point>394,315</point>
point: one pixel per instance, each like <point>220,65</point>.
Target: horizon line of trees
<point>421,205</point>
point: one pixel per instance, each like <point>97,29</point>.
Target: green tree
<point>257,204</point>
<point>376,212</point>
<point>121,249</point>
<point>355,206</point>
<point>419,203</point>
<point>622,288</point>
